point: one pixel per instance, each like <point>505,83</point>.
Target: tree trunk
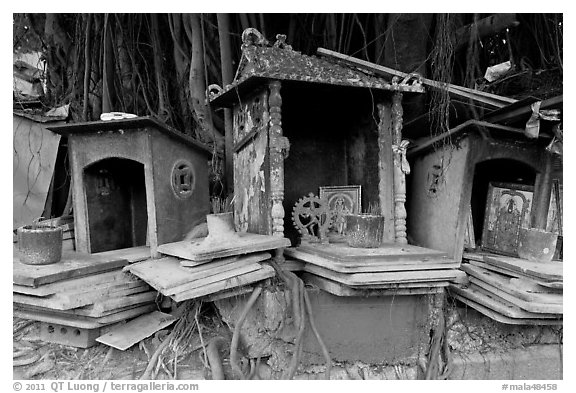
<point>181,60</point>
<point>108,68</point>
<point>227,75</point>
<point>128,96</point>
<point>95,91</point>
<point>162,111</point>
<point>87,67</point>
<point>485,28</point>
<point>57,56</point>
<point>198,87</point>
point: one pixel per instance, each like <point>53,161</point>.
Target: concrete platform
<point>532,363</point>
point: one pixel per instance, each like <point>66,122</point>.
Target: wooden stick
<point>492,100</point>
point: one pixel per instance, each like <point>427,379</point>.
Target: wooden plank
<point>68,301</point>
<point>474,256</point>
<point>209,265</point>
<point>166,273</point>
<point>249,278</point>
<point>509,115</point>
<point>496,269</point>
<point>202,252</point>
<point>87,311</point>
<point>221,265</point>
<point>124,336</point>
<point>229,293</point>
<point>124,301</point>
<point>393,252</point>
<point>131,254</point>
<point>540,308</point>
<point>63,320</point>
<point>85,282</point>
<point>464,295</point>
<point>159,273</point>
<point>102,309</point>
<point>213,278</point>
<point>559,285</point>
<point>364,279</point>
<point>80,321</point>
<point>516,288</point>
<point>496,303</point>
<point>103,293</point>
<point>460,91</point>
<point>406,285</point>
<point>534,287</point>
<point>369,266</point>
<point>340,289</point>
<point>547,271</point>
<point>292,265</point>
<point>73,264</point>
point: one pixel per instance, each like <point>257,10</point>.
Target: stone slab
<point>202,252</point>
<point>73,264</point>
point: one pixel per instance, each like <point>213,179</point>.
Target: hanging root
<point>302,310</point>
<point>298,298</point>
<point>214,360</point>
<point>439,351</point>
<point>154,358</point>
<point>318,337</point>
<point>234,363</point>
<point>442,66</point>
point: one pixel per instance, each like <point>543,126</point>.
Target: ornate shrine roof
<point>261,61</point>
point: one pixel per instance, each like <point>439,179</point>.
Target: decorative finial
<point>251,36</point>
<point>281,42</point>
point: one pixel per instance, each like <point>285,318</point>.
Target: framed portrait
<point>508,209</point>
<point>554,221</point>
<point>469,239</point>
<point>342,200</point>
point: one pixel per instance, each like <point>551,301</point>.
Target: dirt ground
<point>36,359</point>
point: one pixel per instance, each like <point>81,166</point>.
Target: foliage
<point>141,63</point>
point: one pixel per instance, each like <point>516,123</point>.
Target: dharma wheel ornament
<point>312,218</point>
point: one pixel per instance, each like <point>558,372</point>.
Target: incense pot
<point>220,228</point>
<point>40,244</point>
<point>537,245</point>
<point>364,230</point>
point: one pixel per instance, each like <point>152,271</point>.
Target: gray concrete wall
<point>382,330</point>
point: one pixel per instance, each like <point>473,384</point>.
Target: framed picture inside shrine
<point>508,209</point>
<point>342,200</point>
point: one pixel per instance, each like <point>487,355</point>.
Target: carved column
<point>401,168</point>
<point>278,150</point>
<point>386,170</point>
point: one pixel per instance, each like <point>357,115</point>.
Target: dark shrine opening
<point>116,204</point>
<point>498,170</point>
<point>333,134</point>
